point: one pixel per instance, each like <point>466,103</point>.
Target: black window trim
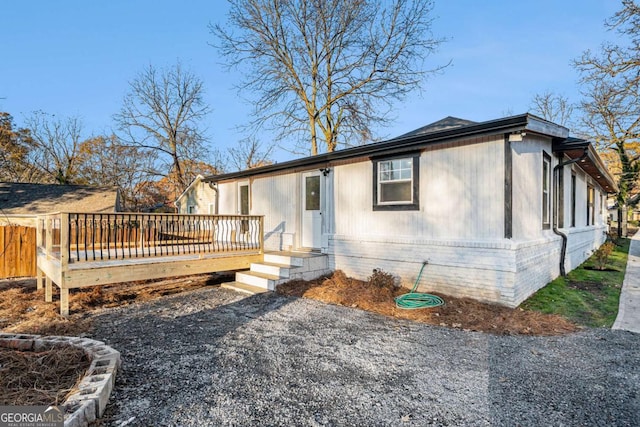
<point>574,189</point>
<point>546,158</point>
<point>415,205</point>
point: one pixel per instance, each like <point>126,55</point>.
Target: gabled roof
<point>192,184</point>
<point>409,142</point>
<point>31,199</point>
<point>448,122</point>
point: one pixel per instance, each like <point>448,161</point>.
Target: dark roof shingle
<point>23,198</point>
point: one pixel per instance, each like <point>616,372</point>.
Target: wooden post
<point>48,243</point>
<point>64,263</point>
<point>64,302</point>
<point>64,241</point>
<point>40,276</point>
<point>141,221</point>
<point>261,235</point>
<point>48,289</point>
<point>39,279</point>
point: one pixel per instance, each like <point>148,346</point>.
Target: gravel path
<point>212,357</point>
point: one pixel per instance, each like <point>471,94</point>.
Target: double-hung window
<point>573,199</point>
<point>590,205</point>
<point>546,191</point>
<point>396,183</point>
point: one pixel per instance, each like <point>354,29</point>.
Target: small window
<point>395,184</point>
<point>312,193</point>
<point>600,204</point>
<point>546,191</point>
<point>191,209</point>
<point>590,205</point>
<point>573,199</point>
<point>243,196</point>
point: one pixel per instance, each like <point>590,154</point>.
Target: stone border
<point>90,400</point>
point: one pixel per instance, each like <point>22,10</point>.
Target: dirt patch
<point>461,313</point>
<point>23,309</point>
<point>586,285</point>
<point>600,269</point>
<point>40,378</point>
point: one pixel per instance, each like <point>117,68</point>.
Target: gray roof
<point>30,199</point>
<point>448,122</point>
<point>442,130</point>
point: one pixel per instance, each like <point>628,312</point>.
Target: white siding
<point>199,195</point>
<point>527,187</point>
<point>461,196</point>
<point>459,226</point>
<point>227,198</point>
<point>277,198</point>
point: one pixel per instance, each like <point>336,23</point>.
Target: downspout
<point>563,251</point>
<point>214,187</point>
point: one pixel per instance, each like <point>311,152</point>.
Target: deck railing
<point>81,237</point>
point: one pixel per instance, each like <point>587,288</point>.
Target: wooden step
<point>244,288</point>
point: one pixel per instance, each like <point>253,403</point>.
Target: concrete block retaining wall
<point>90,400</point>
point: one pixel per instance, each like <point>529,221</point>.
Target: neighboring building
<point>20,202</point>
<point>195,199</point>
<point>486,204</point>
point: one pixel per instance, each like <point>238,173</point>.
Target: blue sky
<point>76,57</point>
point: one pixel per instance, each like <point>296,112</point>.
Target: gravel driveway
<point>213,357</point>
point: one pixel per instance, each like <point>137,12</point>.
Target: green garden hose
<point>414,300</point>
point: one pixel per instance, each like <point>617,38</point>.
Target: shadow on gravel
<point>211,357</point>
<point>164,345</point>
<point>583,379</point>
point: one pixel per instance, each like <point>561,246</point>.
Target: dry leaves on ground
<point>23,309</point>
<point>41,378</point>
<point>462,313</point>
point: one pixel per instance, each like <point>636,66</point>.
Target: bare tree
<point>162,113</point>
<point>611,90</point>
<point>105,161</point>
<point>248,154</point>
<point>15,145</point>
<point>327,70</point>
<point>553,107</point>
<point>56,142</point>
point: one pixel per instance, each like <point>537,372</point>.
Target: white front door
<point>312,202</point>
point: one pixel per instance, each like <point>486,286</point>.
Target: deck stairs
<point>278,268</point>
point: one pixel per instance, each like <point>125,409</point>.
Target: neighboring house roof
<point>22,198</point>
<point>449,128</point>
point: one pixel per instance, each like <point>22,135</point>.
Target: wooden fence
<point>17,251</point>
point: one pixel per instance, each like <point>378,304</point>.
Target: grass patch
<point>587,296</point>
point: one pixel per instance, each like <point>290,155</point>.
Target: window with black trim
<point>590,205</point>
<point>573,199</point>
<point>395,183</point>
<point>546,191</point>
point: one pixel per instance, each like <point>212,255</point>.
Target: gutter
<point>399,145</point>
<point>563,251</point>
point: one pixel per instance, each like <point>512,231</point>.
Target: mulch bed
<point>461,313</point>
<point>40,378</point>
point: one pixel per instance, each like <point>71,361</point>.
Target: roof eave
<point>393,146</point>
<point>592,164</point>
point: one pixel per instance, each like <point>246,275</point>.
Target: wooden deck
<point>75,250</point>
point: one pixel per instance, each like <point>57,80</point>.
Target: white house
<point>497,208</point>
